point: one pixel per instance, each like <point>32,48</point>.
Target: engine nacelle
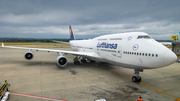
<point>61,61</point>
<point>28,55</point>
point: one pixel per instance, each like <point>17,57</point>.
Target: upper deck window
<point>144,37</point>
<point>115,38</point>
<point>102,39</point>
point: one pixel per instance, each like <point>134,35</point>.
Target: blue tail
<point>71,33</point>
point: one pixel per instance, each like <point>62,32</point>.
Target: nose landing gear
<point>137,78</point>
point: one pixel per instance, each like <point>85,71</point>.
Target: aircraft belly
<point>136,61</point>
<point>126,65</point>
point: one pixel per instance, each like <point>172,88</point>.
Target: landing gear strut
<point>76,62</point>
<point>137,78</point>
<point>83,60</point>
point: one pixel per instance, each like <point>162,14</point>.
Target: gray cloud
<point>49,19</point>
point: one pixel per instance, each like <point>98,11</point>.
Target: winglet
<point>2,44</point>
<point>71,33</point>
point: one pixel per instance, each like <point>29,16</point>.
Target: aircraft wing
<point>166,43</point>
<point>86,54</point>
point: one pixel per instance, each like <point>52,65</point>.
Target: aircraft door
<point>119,52</point>
<point>98,51</point>
<point>84,48</point>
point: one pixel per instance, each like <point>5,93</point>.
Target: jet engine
<point>61,60</point>
<point>28,55</point>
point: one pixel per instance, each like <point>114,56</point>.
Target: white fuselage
<point>132,50</point>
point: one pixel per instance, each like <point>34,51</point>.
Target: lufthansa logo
<point>135,47</point>
<point>107,45</point>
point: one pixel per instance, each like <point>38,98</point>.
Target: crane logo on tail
<point>70,32</point>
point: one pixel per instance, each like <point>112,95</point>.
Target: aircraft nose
<point>169,57</point>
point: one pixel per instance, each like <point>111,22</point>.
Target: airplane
<point>135,50</point>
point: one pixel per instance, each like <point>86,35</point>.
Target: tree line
<point>31,40</point>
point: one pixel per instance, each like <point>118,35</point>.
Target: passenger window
<point>142,54</point>
<point>156,55</point>
<point>152,55</point>
<point>146,54</point>
<point>137,53</point>
<point>149,54</point>
<point>130,52</point>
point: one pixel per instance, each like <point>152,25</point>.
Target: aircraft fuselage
<point>135,50</point>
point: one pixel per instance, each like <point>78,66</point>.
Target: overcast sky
<point>88,18</point>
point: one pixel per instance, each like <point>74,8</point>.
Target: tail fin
<point>2,44</point>
<point>71,33</point>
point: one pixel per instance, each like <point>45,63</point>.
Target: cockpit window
<point>143,37</point>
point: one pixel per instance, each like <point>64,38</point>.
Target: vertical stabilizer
<point>71,33</point>
<point>2,44</point>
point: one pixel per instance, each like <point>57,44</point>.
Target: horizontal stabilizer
<point>2,44</point>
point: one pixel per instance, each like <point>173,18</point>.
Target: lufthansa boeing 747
<point>135,50</point>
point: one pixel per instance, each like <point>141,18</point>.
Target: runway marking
<point>158,91</point>
<point>34,96</point>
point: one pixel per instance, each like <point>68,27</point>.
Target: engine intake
<point>61,61</point>
<point>28,55</point>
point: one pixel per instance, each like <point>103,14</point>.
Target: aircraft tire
<point>134,79</point>
<point>139,80</point>
<point>92,61</point>
<point>83,61</point>
<point>76,62</point>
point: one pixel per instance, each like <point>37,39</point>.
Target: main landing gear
<point>83,60</point>
<point>137,78</point>
<point>77,60</point>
